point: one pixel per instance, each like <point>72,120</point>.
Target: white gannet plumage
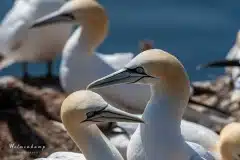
<point>80,112</point>
<point>160,137</point>
<point>234,53</point>
<point>190,131</point>
<point>18,43</point>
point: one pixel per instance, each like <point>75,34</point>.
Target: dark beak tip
<point>33,26</point>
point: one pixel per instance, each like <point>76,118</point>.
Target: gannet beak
<point>221,63</point>
<point>119,77</point>
<point>112,114</point>
<point>54,18</point>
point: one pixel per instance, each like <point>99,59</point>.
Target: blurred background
<point>195,31</point>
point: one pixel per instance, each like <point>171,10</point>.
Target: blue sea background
<point>196,31</point>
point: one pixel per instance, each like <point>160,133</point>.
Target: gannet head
<point>229,143</point>
<point>154,67</point>
<point>86,107</point>
<point>88,13</point>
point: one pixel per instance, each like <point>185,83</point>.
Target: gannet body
<point>81,65</point>
<point>190,131</point>
<point>18,43</point>
<point>160,137</point>
<point>80,112</point>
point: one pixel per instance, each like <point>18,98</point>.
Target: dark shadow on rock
<point>51,82</point>
<point>23,135</point>
<point>13,97</point>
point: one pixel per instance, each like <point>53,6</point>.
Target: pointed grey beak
<point>119,77</point>
<point>221,63</point>
<point>54,18</point>
<point>112,114</point>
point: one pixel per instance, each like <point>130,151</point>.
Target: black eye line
<point>94,113</point>
<point>68,15</point>
<point>134,70</point>
<point>138,79</point>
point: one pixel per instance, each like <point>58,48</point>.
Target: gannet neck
<point>172,103</point>
<point>92,142</point>
<point>87,38</point>
<point>91,37</point>
<point>93,20</point>
<point>85,42</point>
<point>162,118</point>
<point>77,47</point>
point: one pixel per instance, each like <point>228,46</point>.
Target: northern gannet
<point>229,144</point>
<point>79,66</point>
<point>18,43</point>
<point>160,137</point>
<point>232,67</point>
<point>80,112</point>
<point>231,62</point>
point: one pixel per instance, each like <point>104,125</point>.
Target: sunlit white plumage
<point>80,112</point>
<point>79,66</point>
<point>18,43</point>
<point>234,53</point>
<point>160,137</point>
<point>190,131</point>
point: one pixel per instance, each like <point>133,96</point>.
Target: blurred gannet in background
<point>229,143</point>
<point>160,137</point>
<point>80,112</point>
<point>79,66</point>
<point>232,64</point>
<point>18,43</point>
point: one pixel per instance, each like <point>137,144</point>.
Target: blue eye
<point>140,70</point>
<point>90,114</point>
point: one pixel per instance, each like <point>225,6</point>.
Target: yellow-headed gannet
<point>79,66</point>
<point>160,137</point>
<point>80,112</point>
<point>18,43</point>
<point>229,143</point>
